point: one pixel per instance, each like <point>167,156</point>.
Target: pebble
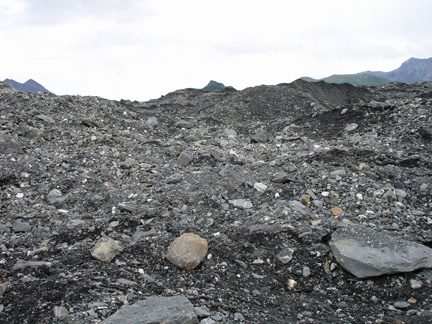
<point>416,284</point>
<point>285,256</point>
<point>261,187</point>
<point>401,304</point>
<point>19,226</point>
<point>60,312</point>
<point>241,203</point>
<point>336,211</point>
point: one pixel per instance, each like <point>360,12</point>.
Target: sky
<point>143,49</point>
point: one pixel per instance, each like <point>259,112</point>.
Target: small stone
<point>187,251</point>
<point>183,124</point>
<point>239,317</point>
<point>3,288</point>
<point>104,170</point>
<point>19,226</point>
<point>281,178</point>
<point>184,159</point>
<point>389,196</point>
<point>259,137</point>
<point>19,265</point>
<point>416,284</point>
<point>173,179</point>
<point>336,211</point>
<point>60,312</point>
<point>202,311</point>
<point>126,282</point>
<point>291,283</point>
<point>241,203</point>
<point>351,127</point>
<point>401,304</point>
<point>231,133</point>
<point>297,206</point>
<point>306,271</point>
<point>46,118</point>
<point>261,187</point>
<point>412,300</point>
<point>106,249</point>
<point>54,195</point>
<point>318,203</point>
<point>152,121</point>
<point>305,201</point>
<point>285,256</point>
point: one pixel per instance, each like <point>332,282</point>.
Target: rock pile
<point>277,183</point>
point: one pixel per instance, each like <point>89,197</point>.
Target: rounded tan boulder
<point>187,251</point>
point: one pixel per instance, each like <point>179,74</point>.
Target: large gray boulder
<point>367,253</point>
<point>154,310</point>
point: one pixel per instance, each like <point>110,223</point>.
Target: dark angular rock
<point>153,310</point>
<point>282,178</point>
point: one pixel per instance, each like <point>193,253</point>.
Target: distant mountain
<point>354,79</point>
<point>214,86</point>
<point>29,85</point>
<point>411,71</point>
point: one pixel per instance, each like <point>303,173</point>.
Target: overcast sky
<point>142,49</point>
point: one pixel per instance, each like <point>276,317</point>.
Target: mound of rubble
<point>294,203</point>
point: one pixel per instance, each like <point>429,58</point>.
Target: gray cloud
<point>54,12</point>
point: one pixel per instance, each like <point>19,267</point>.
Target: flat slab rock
<point>368,253</point>
<point>153,310</point>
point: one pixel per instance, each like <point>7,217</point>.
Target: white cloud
<point>143,49</point>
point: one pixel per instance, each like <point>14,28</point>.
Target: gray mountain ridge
<point>30,85</point>
<point>411,71</point>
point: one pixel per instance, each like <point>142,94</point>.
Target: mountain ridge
<point>412,70</point>
<point>30,85</point>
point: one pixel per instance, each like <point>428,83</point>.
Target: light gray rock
<point>285,256</point>
<point>367,253</point>
<point>241,203</point>
<point>167,310</point>
<point>298,207</point>
<point>60,312</point>
<point>184,159</point>
<point>21,264</point>
<point>9,146</point>
<point>46,118</point>
<point>173,179</point>
<point>19,226</point>
<point>54,196</point>
<point>183,124</point>
<point>260,137</point>
<point>106,249</point>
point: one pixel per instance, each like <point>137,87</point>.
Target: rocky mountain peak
<point>30,85</point>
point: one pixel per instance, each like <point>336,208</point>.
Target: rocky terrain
<point>279,184</point>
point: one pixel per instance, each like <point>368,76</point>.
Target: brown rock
<point>187,251</point>
<point>106,249</point>
<point>336,211</point>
